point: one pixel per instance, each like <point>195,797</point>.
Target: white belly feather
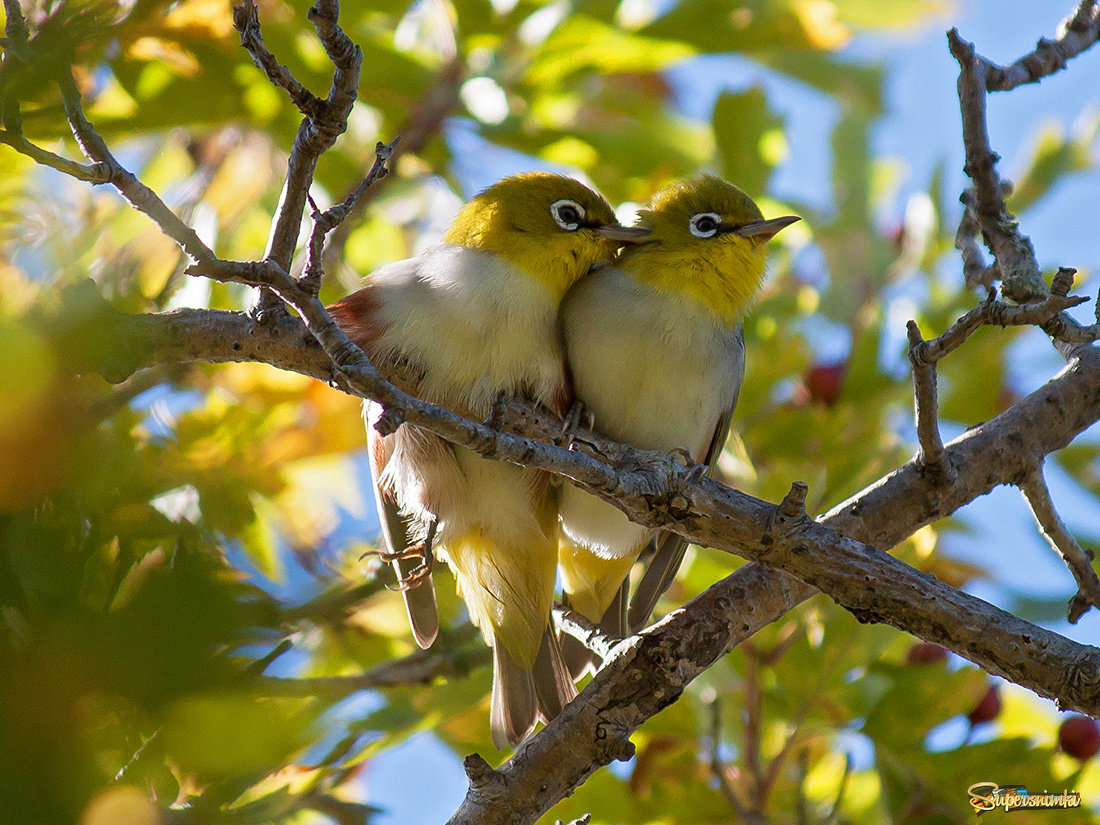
<point>657,370</point>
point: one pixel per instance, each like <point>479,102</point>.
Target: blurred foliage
<point>184,613</point>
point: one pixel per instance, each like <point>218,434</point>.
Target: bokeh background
<point>184,614</point>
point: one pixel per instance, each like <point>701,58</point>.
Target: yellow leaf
<point>821,23</point>
<point>173,55</point>
<point>317,490</point>
<point>121,805</point>
<point>201,18</point>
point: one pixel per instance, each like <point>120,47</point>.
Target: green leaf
<point>716,26</point>
<point>568,51</point>
<point>920,698</point>
<point>233,733</point>
<point>741,122</point>
<point>1053,157</point>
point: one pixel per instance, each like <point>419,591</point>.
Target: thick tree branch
<point>882,515</point>
<point>655,489</point>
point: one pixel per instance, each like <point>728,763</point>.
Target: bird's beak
<point>765,230</point>
<point>624,234</point>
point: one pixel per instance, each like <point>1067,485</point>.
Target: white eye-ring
<point>705,224</point>
<point>567,213</point>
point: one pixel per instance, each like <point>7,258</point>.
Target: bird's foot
<point>696,471</point>
<point>577,416</point>
<point>410,579</point>
<point>496,413</point>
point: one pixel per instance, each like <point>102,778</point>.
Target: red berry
<point>1079,736</point>
<point>987,709</point>
<point>925,653</point>
<point>824,382</point>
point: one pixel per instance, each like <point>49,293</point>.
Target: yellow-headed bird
<point>476,318</point>
<point>657,355</point>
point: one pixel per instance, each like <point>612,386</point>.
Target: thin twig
<point>424,122</point>
<point>975,270</point>
<point>346,57</point>
<point>1076,33</point>
<point>316,134</point>
<point>1014,253</point>
<point>444,661</point>
<point>325,222</point>
<point>104,168</point>
<point>591,635</point>
<point>752,719</point>
<point>136,193</point>
<point>94,173</point>
<point>15,26</point>
<point>246,20</point>
<point>1077,559</point>
<point>926,405</point>
<point>831,817</point>
<point>992,312</point>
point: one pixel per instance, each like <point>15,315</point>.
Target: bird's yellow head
<point>550,227</point>
<point>707,241</point>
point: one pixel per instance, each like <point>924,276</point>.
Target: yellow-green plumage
<point>511,221</point>
<point>475,318</point>
<point>654,342</point>
<point>721,273</point>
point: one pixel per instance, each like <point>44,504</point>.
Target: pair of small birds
<point>525,297</point>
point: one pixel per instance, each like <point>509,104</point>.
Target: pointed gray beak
<point>624,234</point>
<point>765,230</point>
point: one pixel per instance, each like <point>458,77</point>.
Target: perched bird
<point>657,355</point>
<point>475,319</point>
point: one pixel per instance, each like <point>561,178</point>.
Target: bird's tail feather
<point>523,697</point>
<point>514,705</point>
<point>553,683</point>
<point>420,605</point>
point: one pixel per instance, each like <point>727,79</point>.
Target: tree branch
<point>1077,559</point>
<point>882,515</point>
<point>656,490</point>
<point>246,20</point>
<point>1077,33</point>
<point>325,222</point>
<point>316,134</point>
<point>650,670</point>
<point>926,403</point>
<point>1014,253</point>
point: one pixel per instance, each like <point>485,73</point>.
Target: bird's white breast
<point>474,323</point>
<point>657,370</point>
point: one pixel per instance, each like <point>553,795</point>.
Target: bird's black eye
<point>704,225</point>
<point>568,214</point>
